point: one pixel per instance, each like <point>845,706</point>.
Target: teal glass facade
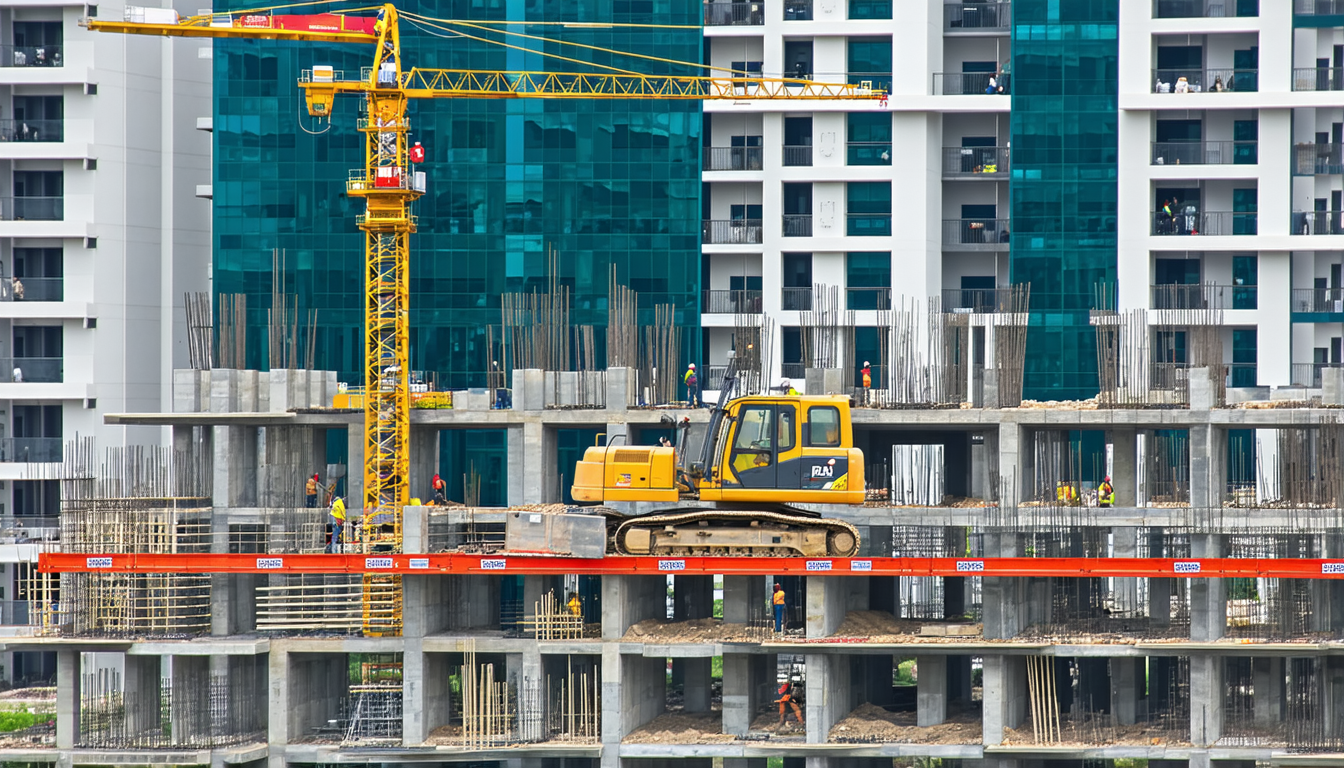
<point>1063,184</point>
<point>602,183</point>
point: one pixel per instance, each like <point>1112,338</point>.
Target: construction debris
<point>693,631</point>
<point>682,728</point>
<point>882,627</point>
<point>870,723</point>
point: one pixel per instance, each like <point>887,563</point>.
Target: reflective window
<point>824,426</point>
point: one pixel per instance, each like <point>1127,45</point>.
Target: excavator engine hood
<point>626,473</point>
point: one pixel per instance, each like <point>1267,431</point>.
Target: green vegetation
<point>718,608</point>
<point>716,668</point>
<point>17,721</point>
<point>905,673</point>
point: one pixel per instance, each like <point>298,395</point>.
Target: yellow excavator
<point>757,455</point>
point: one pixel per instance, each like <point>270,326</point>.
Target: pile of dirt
<point>682,728</point>
<point>554,509</point>
<point>883,627</point>
<point>769,723</point>
<point>692,631</point>
<point>873,724</point>
<point>1089,404</point>
<point>1269,405</point>
<point>1082,736</point>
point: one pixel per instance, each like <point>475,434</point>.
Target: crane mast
<point>389,186</point>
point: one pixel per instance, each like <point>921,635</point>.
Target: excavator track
<point>735,533</point>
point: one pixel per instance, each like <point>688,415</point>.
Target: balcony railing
<point>1309,374</point>
<point>1205,152</point>
<point>32,130</point>
<point>1318,79</point>
<point>1319,7</point>
<point>31,527</point>
<point>30,449</point>
<point>734,158</point>
<point>968,83</point>
<point>1242,374</point>
<point>732,232</point>
<point>33,208</point>
<point>797,154</point>
<point>734,14</point>
<point>1318,300</point>
<point>33,289</point>
<point>867,298</point>
<point>1318,223</point>
<point>1318,159</point>
<point>1211,223</point>
<point>30,56</point>
<point>868,153</point>
<point>798,10</point>
<point>980,300</point>
<point>1205,296</point>
<point>797,225</point>
<point>868,224</point>
<point>47,370</point>
<point>976,162</point>
<point>796,299</point>
<point>976,232</point>
<point>977,17</point>
<point>795,371</point>
<point>1205,80</point>
<point>732,302</point>
<point>1197,9</point>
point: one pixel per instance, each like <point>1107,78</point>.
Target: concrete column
<point>1332,711</point>
<point>1206,699</point>
<point>279,717</point>
<point>696,683</point>
<point>829,598</point>
<point>628,600</point>
<point>425,605</point>
<point>1208,460</point>
<point>1010,440</point>
<point>829,694</point>
<point>743,674</point>
<point>1126,681</point>
<point>142,682</point>
<point>744,598</point>
<point>1124,466</point>
<point>932,690</point>
<point>1208,597</point>
<point>1005,695</point>
<point>68,682</point>
<point>190,712</point>
<point>634,691</point>
<point>517,464</point>
<point>354,468</point>
<point>1267,684</point>
<point>534,463</point>
<point>1003,597</point>
<point>1125,543</point>
<point>425,462</point>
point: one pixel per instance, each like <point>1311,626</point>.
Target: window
<point>870,9</point>
<point>868,208</point>
<point>750,67</point>
<point>753,428</point>
<point>869,138</point>
<point>787,427</point>
<point>745,212</point>
<point>870,61</point>
<point>1245,269</point>
<point>823,426</point>
<point>868,280</point>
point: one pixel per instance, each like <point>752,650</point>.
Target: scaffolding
<point>376,712</point>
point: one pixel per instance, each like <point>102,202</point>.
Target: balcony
<point>797,225</point>
<point>1242,375</point>
<point>32,208</point>
<point>1328,301</point>
<point>1205,152</point>
<point>30,56</point>
<point>30,449</point>
<point>1202,9</point>
<point>981,300</point>
<point>732,232</point>
<point>972,18</point>
<point>1318,160</point>
<point>1309,374</point>
<point>794,371</point>
<point>968,84</point>
<point>1202,80</point>
<point>34,289</point>
<point>798,10</point>
<point>797,155</point>
<point>868,224</point>
<point>734,14</point>
<point>1209,223</point>
<point>43,370</point>
<point>796,299</point>
<point>1205,296</point>
<point>1317,223</point>
<point>731,302</point>
<point>975,162</point>
<point>868,153</point>
<point>1319,8</point>
<point>975,234</point>
<point>868,298</point>
<point>32,130</point>
<point>1318,79</point>
<point>734,158</point>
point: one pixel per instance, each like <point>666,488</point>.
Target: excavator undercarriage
<point>734,533</point>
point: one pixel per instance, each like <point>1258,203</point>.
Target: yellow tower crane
<point>389,186</point>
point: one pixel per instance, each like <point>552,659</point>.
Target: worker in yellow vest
<point>337,523</point>
<point>778,600</point>
<point>1106,493</point>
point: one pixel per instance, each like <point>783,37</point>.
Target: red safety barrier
<point>69,562</point>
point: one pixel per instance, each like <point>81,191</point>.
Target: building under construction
<point>996,614</point>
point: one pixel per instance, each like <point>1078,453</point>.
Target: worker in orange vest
<point>786,700</point>
<point>867,381</point>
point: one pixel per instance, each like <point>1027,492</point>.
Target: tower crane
<point>389,187</point>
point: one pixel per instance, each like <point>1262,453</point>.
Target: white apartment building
<point>1230,108</point>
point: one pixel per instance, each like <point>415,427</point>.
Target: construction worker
<point>310,491</point>
<point>867,372</point>
<point>337,523</point>
<point>787,386</point>
<point>440,489</point>
<point>574,605</point>
<point>1106,493</point>
<point>778,600</point>
<point>786,700</point>
<point>692,386</point>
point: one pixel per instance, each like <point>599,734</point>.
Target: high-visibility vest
<point>338,510</point>
<point>779,597</point>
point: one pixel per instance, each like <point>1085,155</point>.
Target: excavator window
<point>823,426</point>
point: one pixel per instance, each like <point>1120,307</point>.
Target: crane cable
<point>454,33</point>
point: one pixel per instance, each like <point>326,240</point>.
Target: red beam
<point>67,562</point>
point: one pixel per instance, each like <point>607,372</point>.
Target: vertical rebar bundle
<point>537,331</point>
<point>622,324</point>
<point>488,712</point>
<point>1010,342</point>
<point>751,349</point>
<point>575,707</point>
<point>662,356</point>
<point>1044,699</point>
<point>200,330</point>
<point>552,619</point>
<point>827,330</point>
<point>232,330</point>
